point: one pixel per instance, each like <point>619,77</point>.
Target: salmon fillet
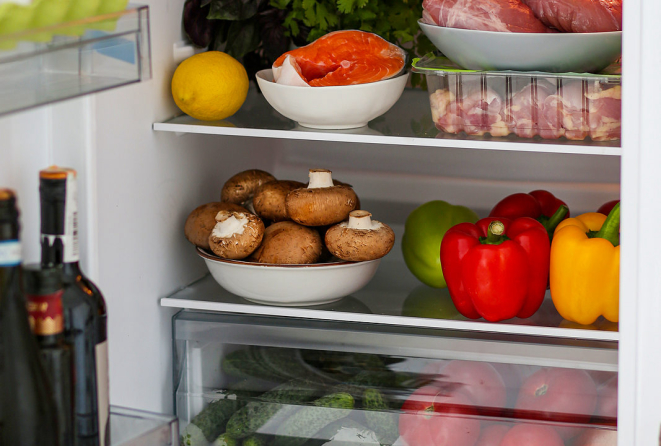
<point>340,58</point>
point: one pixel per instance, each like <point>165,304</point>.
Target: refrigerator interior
<point>137,186</point>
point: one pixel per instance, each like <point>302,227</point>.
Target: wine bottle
<point>28,410</point>
<point>85,324</point>
<point>43,290</point>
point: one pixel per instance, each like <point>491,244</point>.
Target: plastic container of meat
<point>574,106</point>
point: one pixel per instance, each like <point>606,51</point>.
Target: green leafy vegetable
<point>258,31</point>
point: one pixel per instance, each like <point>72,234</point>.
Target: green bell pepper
<point>424,230</point>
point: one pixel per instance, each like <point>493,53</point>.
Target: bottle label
<point>45,313</point>
<point>10,253</point>
<point>102,390</point>
<point>70,239</point>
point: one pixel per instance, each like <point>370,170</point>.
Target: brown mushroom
<point>269,199</point>
<point>287,242</point>
<point>341,183</point>
<point>359,239</point>
<point>201,221</point>
<point>321,203</point>
<point>236,234</point>
<point>241,187</point>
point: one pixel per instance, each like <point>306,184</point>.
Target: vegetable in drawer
<point>307,421</point>
<point>280,402</point>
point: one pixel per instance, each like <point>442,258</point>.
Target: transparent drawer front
<point>45,65</point>
<point>265,391</point>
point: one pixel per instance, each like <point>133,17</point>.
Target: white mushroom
<point>359,239</point>
<point>236,234</point>
<point>321,203</point>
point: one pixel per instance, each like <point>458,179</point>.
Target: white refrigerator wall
<point>137,187</point>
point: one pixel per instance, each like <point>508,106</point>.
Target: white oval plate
<point>547,52</point>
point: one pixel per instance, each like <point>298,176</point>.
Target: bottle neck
<point>59,221</point>
<point>10,246</point>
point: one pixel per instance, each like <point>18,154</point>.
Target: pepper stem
<point>555,220</point>
<point>610,230</point>
<point>495,233</point>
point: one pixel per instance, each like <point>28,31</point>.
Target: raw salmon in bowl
<point>342,80</point>
<point>340,58</point>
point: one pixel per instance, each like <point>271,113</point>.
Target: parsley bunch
<point>257,32</point>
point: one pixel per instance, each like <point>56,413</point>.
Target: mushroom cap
<point>321,206</point>
<point>287,242</point>
<point>340,183</point>
<point>358,245</point>
<point>202,220</point>
<point>242,243</point>
<point>242,186</point>
<point>269,199</point>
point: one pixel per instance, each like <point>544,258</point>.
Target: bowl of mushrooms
<point>282,242</point>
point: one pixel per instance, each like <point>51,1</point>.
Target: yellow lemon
<point>210,86</point>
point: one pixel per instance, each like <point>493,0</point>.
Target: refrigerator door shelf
<point>332,377</point>
<point>72,59</point>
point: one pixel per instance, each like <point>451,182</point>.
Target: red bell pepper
<point>607,207</point>
<point>496,269</point>
<point>541,205</point>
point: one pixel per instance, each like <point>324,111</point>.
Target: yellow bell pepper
<point>585,267</point>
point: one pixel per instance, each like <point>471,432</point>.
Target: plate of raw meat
<point>526,35</point>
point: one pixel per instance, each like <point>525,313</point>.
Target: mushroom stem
<point>230,226</point>
<point>320,178</point>
<point>360,220</point>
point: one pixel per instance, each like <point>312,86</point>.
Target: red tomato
<point>607,402</point>
<point>492,435</point>
<point>607,207</point>
<point>597,437</point>
<point>532,435</point>
<point>433,417</point>
<point>554,391</point>
<point>478,380</point>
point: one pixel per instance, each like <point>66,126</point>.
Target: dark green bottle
<point>28,409</point>
<point>43,290</point>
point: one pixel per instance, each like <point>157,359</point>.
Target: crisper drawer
<point>254,380</point>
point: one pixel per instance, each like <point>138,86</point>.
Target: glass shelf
<point>407,123</point>
<point>77,58</point>
<point>394,297</point>
<point>130,427</point>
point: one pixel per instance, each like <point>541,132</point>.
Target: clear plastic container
<point>283,382</point>
<point>528,105</point>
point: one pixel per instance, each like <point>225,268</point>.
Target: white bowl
<point>548,52</point>
<point>290,285</point>
<point>340,107</point>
